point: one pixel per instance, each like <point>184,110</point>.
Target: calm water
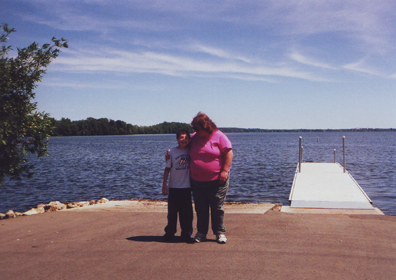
<point>131,167</point>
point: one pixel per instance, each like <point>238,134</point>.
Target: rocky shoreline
<point>51,207</point>
<point>133,205</point>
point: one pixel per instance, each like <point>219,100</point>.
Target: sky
<point>281,64</point>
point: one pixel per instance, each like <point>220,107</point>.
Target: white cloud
<point>168,64</point>
<point>217,52</point>
<point>99,84</point>
<point>302,17</point>
<point>309,61</point>
<point>360,66</point>
<point>155,36</point>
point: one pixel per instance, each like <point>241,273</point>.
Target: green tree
<point>23,130</point>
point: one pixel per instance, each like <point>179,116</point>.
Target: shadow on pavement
<point>146,238</point>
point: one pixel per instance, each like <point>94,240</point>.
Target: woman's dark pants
<point>179,201</point>
<point>210,194</point>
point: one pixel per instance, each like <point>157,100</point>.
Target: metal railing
<point>300,155</point>
<point>301,149</point>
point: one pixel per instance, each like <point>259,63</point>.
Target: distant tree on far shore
<point>104,126</point>
<point>23,130</point>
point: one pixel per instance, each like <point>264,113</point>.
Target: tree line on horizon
<point>104,126</point>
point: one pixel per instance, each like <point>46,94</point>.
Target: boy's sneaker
<point>199,237</point>
<point>221,238</point>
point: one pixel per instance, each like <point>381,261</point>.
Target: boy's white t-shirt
<point>179,163</point>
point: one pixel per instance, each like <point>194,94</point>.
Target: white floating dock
<point>325,185</point>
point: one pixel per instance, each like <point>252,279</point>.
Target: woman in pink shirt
<point>211,157</point>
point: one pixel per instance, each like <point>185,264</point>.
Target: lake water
<point>131,167</point>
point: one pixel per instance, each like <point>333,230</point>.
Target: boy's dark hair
<point>182,131</point>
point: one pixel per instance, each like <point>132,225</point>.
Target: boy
<point>179,197</point>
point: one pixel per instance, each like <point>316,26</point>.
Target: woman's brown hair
<point>202,121</point>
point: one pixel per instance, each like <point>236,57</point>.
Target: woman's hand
<point>223,177</point>
<point>227,165</point>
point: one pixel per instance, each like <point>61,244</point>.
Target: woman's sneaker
<point>199,237</point>
<point>221,238</point>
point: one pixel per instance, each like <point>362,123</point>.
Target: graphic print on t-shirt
<point>184,162</point>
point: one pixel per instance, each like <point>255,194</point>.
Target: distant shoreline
<point>234,129</point>
<point>250,130</point>
<point>253,130</point>
<point>104,126</point>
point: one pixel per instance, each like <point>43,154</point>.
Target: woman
<point>211,157</point>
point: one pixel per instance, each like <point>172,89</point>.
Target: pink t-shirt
<point>207,155</point>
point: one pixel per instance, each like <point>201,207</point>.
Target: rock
<point>103,200</point>
<point>92,202</point>
<point>83,203</point>
<point>2,216</point>
<point>40,210</point>
<point>71,205</point>
<point>54,202</point>
<point>18,214</point>
<point>10,214</point>
<point>50,208</point>
<point>32,211</point>
<point>277,208</point>
<point>62,206</point>
<point>58,205</point>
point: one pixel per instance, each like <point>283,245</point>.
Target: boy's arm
<point>164,185</point>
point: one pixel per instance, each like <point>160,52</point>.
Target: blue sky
<point>253,64</point>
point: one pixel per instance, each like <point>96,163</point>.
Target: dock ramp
<point>326,185</point>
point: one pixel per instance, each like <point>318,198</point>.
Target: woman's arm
<point>225,170</point>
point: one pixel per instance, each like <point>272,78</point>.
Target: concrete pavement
<point>124,242</point>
